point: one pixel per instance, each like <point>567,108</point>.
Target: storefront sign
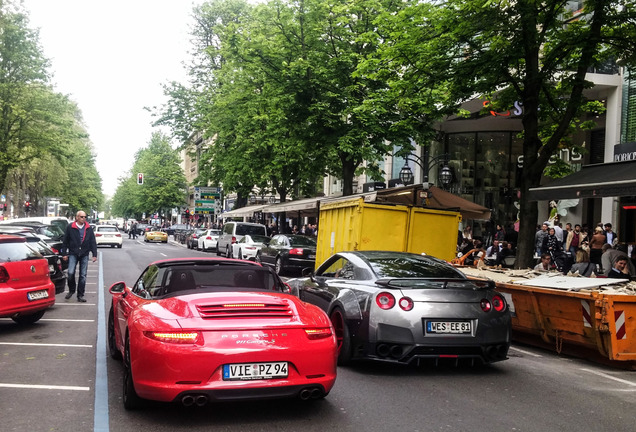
<point>625,151</point>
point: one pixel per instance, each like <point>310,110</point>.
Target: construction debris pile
<point>553,279</point>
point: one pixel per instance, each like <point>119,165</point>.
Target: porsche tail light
<point>406,304</point>
<point>56,251</point>
<point>319,333</point>
<point>4,275</point>
<point>296,251</point>
<point>117,235</point>
<point>174,337</point>
<point>499,303</point>
<point>98,235</point>
<point>485,304</point>
<point>385,300</point>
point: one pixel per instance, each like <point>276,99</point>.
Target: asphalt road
<point>56,376</point>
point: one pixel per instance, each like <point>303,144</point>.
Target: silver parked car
<point>401,307</point>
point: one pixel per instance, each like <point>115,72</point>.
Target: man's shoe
<point>68,296</point>
<point>81,299</point>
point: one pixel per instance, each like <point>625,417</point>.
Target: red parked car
<point>26,290</point>
<point>199,330</point>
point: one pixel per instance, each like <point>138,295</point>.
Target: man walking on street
<point>79,241</point>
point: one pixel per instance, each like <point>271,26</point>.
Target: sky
<point>112,58</point>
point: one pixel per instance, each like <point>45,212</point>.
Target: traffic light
<point>27,206</point>
<point>140,178</point>
<point>187,213</point>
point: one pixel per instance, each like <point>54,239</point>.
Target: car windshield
<point>411,266</point>
<point>302,241</point>
<point>17,251</point>
<point>250,230</point>
<point>259,239</point>
<point>109,229</point>
<point>186,279</point>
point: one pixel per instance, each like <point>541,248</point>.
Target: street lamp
<point>445,175</point>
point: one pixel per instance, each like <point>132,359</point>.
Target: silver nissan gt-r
<point>402,307</point>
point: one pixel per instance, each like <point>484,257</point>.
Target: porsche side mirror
<point>117,287</point>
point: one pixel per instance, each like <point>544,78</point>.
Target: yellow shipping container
<point>353,224</point>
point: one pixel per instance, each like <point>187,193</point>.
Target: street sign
<point>206,199</point>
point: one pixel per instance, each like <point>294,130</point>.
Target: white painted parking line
<point>66,320</point>
<point>45,345</point>
<point>604,375</point>
<point>525,352</point>
<point>45,387</point>
<point>73,304</point>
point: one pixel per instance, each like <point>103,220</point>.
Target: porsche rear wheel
<point>130,398</point>
<point>257,258</point>
<point>228,252</point>
<point>342,336</point>
<point>112,345</point>
<point>240,254</point>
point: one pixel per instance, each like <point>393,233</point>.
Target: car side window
<point>334,268</point>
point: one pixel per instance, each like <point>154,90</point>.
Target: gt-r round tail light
<point>499,303</point>
<point>485,305</point>
<point>406,303</point>
<point>385,300</point>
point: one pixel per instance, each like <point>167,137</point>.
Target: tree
<point>537,53</point>
<point>164,185</point>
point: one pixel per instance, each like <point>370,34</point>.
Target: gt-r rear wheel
<point>112,345</point>
<point>130,398</point>
<point>342,336</point>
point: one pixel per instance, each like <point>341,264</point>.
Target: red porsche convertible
<point>199,330</point>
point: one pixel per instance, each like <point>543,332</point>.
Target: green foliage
<point>44,148</point>
<point>164,185</point>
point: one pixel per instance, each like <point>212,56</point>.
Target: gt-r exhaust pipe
<point>383,350</point>
<point>396,351</point>
<point>187,400</point>
<point>201,400</point>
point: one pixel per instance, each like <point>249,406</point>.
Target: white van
<point>60,221</point>
<point>233,232</point>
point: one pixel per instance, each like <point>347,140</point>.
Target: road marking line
<point>45,387</point>
<point>45,345</point>
<point>100,417</point>
<point>74,304</point>
<point>601,374</point>
<point>66,320</point>
<point>526,352</point>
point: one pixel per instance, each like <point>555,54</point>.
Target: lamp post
<point>406,174</point>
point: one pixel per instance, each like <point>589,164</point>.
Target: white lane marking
<point>526,352</point>
<point>66,320</point>
<point>601,374</point>
<point>74,304</point>
<point>45,345</point>
<point>162,254</point>
<point>45,387</point>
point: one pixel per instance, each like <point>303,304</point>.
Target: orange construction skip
<point>579,323</point>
